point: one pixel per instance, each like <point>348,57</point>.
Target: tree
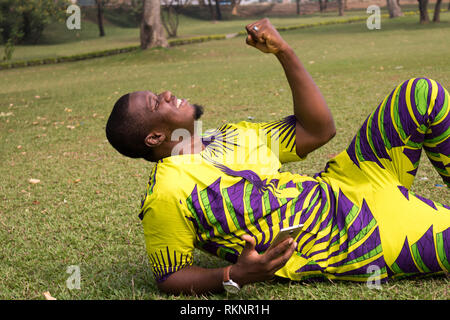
<point>437,11</point>
<point>100,4</point>
<point>394,8</point>
<point>218,11</point>
<point>211,10</point>
<point>423,8</point>
<point>234,6</point>
<point>341,7</point>
<point>323,5</point>
<point>298,6</point>
<point>152,32</point>
<point>25,20</point>
<point>170,15</point>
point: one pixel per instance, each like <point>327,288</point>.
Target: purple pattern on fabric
<point>256,203</point>
<point>366,150</point>
<point>199,212</point>
<point>323,201</point>
<point>161,270</point>
<point>351,151</point>
<point>427,201</point>
<point>306,213</point>
<point>427,250</point>
<point>413,172</point>
<point>417,115</point>
<point>438,129</point>
<point>331,209</point>
<point>361,221</point>
<point>439,102</point>
<point>216,203</point>
<point>389,129</point>
<point>310,267</point>
<point>284,126</point>
<point>290,184</point>
<point>437,164</point>
<point>380,262</point>
<point>412,154</point>
<point>377,139</point>
<point>446,239</point>
<point>404,191</point>
<point>369,244</point>
<point>407,123</point>
<point>344,206</point>
<point>248,175</point>
<point>214,248</point>
<point>236,195</point>
<point>405,260</point>
<point>307,187</point>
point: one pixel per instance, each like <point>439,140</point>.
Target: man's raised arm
<point>315,125</point>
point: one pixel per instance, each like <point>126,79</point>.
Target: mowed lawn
<point>82,209</point>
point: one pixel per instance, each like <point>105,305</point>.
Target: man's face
<point>164,111</point>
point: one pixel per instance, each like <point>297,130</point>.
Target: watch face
<point>231,288</point>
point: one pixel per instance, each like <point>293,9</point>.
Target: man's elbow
<point>330,133</point>
<point>315,141</point>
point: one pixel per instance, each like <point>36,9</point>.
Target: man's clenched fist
<point>263,36</point>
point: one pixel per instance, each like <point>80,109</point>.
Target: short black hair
<point>125,131</point>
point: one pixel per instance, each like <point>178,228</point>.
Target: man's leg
<point>415,115</point>
<point>414,231</point>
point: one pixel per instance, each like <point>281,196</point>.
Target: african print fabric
<point>358,213</point>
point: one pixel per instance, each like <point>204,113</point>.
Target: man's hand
<point>253,267</point>
<point>263,36</point>
<point>315,125</point>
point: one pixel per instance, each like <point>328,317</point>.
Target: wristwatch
<point>228,284</point>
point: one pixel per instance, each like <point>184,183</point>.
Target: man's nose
<point>166,95</point>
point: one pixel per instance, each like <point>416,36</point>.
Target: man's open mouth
<point>179,102</point>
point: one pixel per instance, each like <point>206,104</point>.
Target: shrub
<point>24,20</point>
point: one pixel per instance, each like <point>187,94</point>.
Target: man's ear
<point>154,139</point>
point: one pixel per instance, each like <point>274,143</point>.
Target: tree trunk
<point>170,20</point>
<point>218,11</point>
<point>298,7</point>
<point>394,9</point>
<point>211,10</point>
<point>152,32</point>
<point>321,5</point>
<point>423,8</point>
<point>341,7</point>
<point>437,11</point>
<point>101,30</point>
<point>234,5</point>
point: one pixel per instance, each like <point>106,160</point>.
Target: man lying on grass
<point>222,191</point>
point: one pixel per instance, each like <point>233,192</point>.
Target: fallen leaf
<point>70,127</point>
<point>48,296</point>
<point>34,181</point>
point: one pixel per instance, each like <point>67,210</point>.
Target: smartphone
<point>285,233</point>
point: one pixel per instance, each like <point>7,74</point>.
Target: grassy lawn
<point>84,209</point>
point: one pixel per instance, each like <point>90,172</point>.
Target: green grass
<point>84,210</point>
